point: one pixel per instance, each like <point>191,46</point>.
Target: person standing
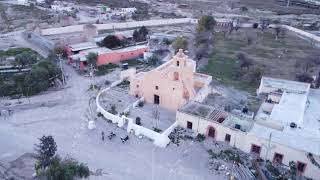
<point>102,136</point>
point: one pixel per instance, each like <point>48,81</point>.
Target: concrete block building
<point>285,129</point>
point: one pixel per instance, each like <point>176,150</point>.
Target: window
<point>157,87</point>
<point>255,149</point>
<point>189,125</point>
<point>277,158</point>
<point>176,76</point>
<point>227,138</point>
<point>178,63</point>
<point>301,167</point>
<point>137,85</point>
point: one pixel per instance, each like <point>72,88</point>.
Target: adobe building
<point>284,130</point>
<point>172,84</point>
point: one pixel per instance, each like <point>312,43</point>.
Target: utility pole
<point>61,69</point>
<point>268,147</point>
<point>152,162</point>
<point>92,74</point>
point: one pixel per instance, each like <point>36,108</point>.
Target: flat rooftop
<point>283,85</point>
<point>290,108</point>
<point>82,55</point>
<point>131,48</point>
<point>306,136</point>
<point>83,46</point>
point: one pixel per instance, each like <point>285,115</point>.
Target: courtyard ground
<point>63,114</point>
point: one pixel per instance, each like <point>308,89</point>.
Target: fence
<point>160,139</point>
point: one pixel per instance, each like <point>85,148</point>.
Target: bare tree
<point>156,115</point>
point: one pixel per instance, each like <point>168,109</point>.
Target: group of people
<point>111,135</point>
<point>6,112</point>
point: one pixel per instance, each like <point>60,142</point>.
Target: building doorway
<point>277,158</point>
<point>189,125</point>
<point>227,138</point>
<point>156,99</point>
<point>255,150</point>
<point>211,132</point>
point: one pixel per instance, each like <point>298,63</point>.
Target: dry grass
<point>281,58</point>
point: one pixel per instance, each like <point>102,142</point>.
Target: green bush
<point>38,79</point>
<point>15,51</point>
<point>66,169</point>
<point>200,137</point>
<point>105,69</point>
<point>157,130</point>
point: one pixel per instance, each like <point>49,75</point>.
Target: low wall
<point>112,26</point>
<point>202,94</point>
<point>315,40</point>
<point>160,139</point>
<point>114,118</point>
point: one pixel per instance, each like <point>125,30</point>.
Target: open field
<point>275,6</point>
<point>13,17</point>
<point>282,58</point>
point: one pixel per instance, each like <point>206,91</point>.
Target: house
<point>76,48</point>
<point>23,2</point>
<point>61,6</point>
<point>285,129</point>
<point>172,84</point>
<point>105,55</point>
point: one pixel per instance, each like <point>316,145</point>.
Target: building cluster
<point>285,129</point>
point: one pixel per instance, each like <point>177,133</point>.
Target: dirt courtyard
<point>62,114</point>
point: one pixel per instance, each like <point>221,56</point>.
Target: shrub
<point>141,103</point>
<point>104,69</point>
<point>65,169</point>
<point>243,8</point>
<point>200,137</point>
<point>157,130</point>
<point>304,77</point>
<point>113,110</point>
<point>255,25</point>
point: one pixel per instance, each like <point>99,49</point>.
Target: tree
<point>111,41</point>
<point>154,60</point>
<point>52,69</point>
<point>25,58</point>
<point>180,43</point>
<point>317,83</point>
<point>143,31</point>
<point>136,35</point>
<point>141,34</point>
<point>60,51</point>
<point>304,77</point>
<point>243,60</point>
<point>206,23</point>
<point>277,30</point>
<point>66,169</point>
<point>36,80</point>
<point>46,149</point>
<point>92,59</point>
